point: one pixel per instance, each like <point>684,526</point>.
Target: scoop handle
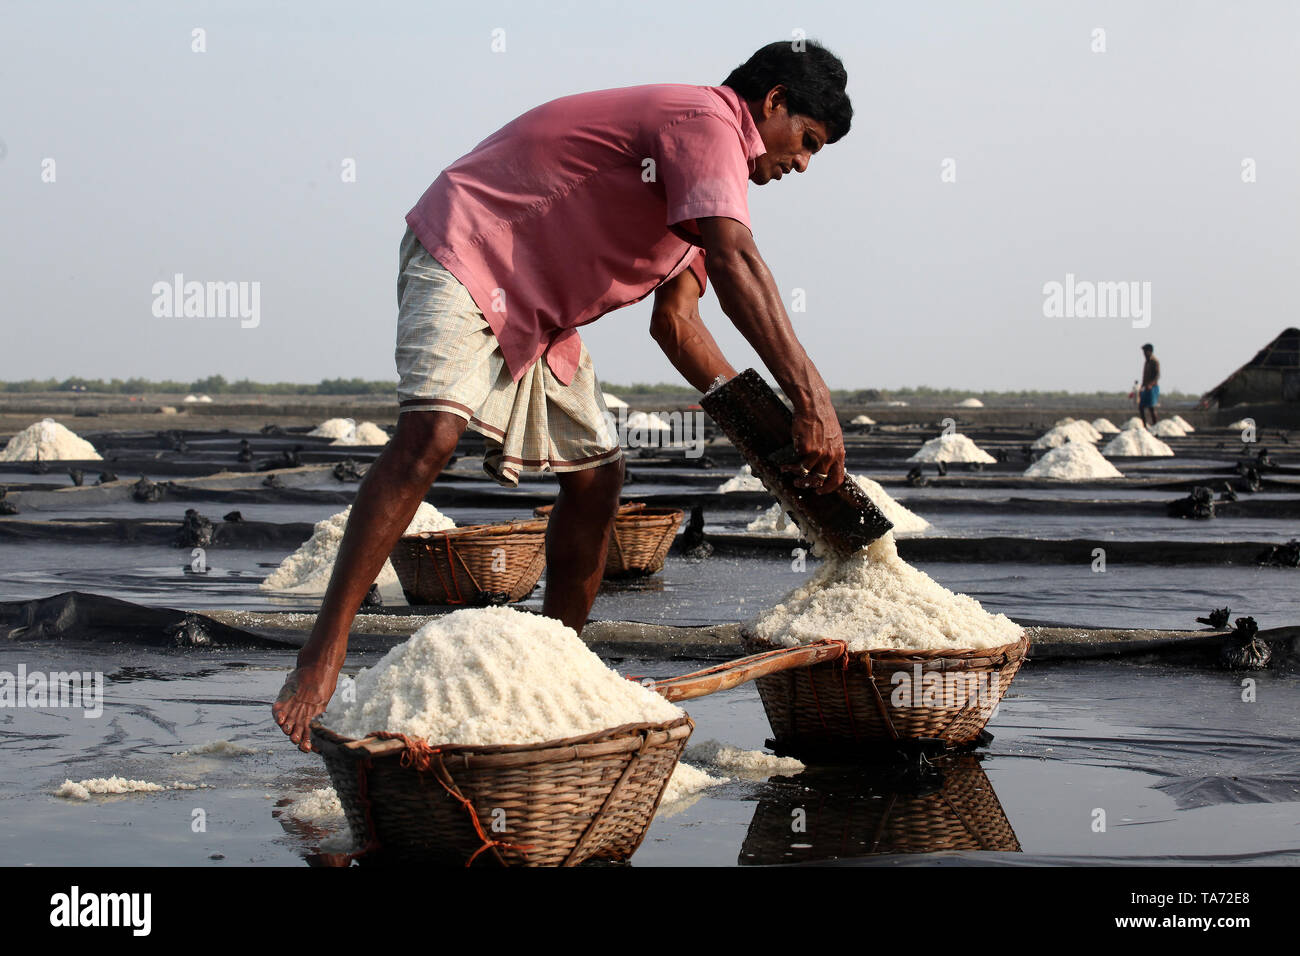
<point>745,669</point>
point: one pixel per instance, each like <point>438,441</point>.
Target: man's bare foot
<point>305,695</point>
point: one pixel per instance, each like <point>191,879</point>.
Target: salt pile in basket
<point>874,599</point>
<point>485,676</point>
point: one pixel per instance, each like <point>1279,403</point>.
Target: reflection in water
<point>831,813</point>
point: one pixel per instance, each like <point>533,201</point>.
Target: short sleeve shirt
<point>584,205</point>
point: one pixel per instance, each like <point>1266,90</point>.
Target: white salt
<point>495,675</point>
<point>613,401</point>
<point>952,447</point>
<point>643,422</point>
<point>875,599</point>
<point>862,420</point>
<point>1136,442</point>
<point>1184,424</point>
<point>307,570</point>
<point>1133,423</point>
<point>1105,426</point>
<point>970,403</point>
<point>367,433</point>
<point>335,428</point>
<point>49,441</point>
<point>745,763</point>
<point>686,781</point>
<point>103,785</point>
<point>1168,428</point>
<point>1073,461</point>
<point>906,522</point>
<point>743,480</point>
<point>319,808</point>
<point>1071,430</point>
<point>1241,423</point>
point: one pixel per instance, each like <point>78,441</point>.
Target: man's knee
<point>426,440</point>
<point>597,487</point>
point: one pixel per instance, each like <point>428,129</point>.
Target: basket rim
<point>1015,650</point>
<point>611,740</point>
<point>516,526</point>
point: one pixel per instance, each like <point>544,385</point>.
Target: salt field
<point>1021,547</point>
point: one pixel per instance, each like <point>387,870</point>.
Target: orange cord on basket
<point>421,756</point>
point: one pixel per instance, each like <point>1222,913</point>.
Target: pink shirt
<point>584,205</point>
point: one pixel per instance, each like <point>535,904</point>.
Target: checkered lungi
<point>449,360</point>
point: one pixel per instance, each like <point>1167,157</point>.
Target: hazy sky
<point>1117,166</point>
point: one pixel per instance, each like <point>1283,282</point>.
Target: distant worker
<point>1149,395</point>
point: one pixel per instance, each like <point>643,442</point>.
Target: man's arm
<point>675,324</point>
<point>748,295</point>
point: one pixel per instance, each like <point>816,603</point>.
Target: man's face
<point>790,140</point>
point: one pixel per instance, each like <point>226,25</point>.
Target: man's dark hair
<point>813,77</point>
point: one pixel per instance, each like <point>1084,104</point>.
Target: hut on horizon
<point>1269,384</point>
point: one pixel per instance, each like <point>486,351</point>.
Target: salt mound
<point>1136,442</point>
<point>494,675</point>
<point>776,521</point>
<point>750,763</point>
<point>335,428</point>
<point>1105,426</point>
<point>367,433</point>
<point>1133,423</point>
<point>613,401</point>
<point>100,785</point>
<point>744,480</point>
<point>1168,428</point>
<point>862,420</point>
<point>1241,423</point>
<point>1071,431</point>
<point>970,403</point>
<point>1073,461</point>
<point>190,399</point>
<point>49,441</point>
<point>644,422</point>
<point>687,780</point>
<point>319,808</point>
<point>952,447</point>
<point>307,570</point>
<point>875,599</point>
<point>1184,424</point>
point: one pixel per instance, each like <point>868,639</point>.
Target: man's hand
<point>820,444</point>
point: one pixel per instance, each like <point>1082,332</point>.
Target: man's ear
<point>774,101</point>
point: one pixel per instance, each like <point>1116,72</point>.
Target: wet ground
<point>1182,768</point>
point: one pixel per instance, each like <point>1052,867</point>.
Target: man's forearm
<point>688,345</point>
<point>748,296</point>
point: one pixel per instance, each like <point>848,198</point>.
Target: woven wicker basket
<point>556,803</point>
<point>639,542</point>
<point>838,709</point>
<point>475,565</point>
<point>947,809</point>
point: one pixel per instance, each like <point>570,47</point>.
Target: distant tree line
<point>212,385</point>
